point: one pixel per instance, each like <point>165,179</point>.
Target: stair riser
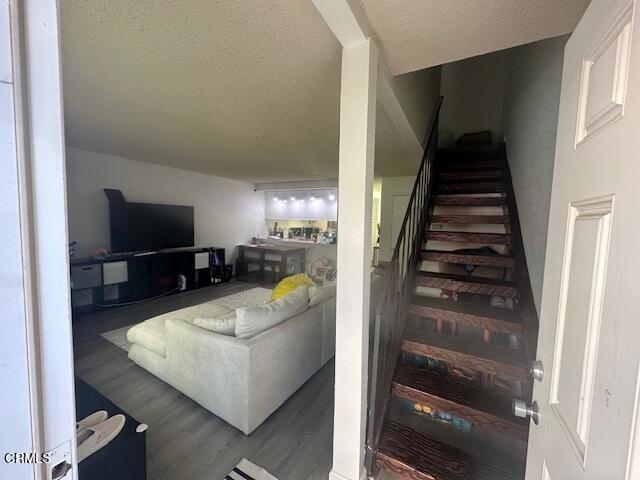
<point>480,187</point>
<point>470,219</point>
<point>478,175</point>
<point>460,259</point>
<point>469,201</point>
<point>466,361</point>
<point>467,319</point>
<point>469,166</point>
<point>469,237</point>
<point>477,417</point>
<point>466,287</point>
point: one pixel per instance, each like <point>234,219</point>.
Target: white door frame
<point>35,271</point>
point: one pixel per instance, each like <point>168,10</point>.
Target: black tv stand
<point>138,276</point>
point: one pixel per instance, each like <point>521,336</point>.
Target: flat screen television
<point>137,227</point>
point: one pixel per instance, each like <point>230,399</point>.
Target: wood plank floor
<point>187,442</point>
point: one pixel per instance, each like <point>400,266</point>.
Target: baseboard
<point>333,475</point>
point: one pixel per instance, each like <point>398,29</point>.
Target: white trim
<point>349,24</point>
<point>43,229</point>
<point>26,226</point>
<point>346,20</point>
<point>357,146</point>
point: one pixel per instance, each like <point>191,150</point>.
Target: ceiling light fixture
<point>312,197</point>
<point>293,198</point>
<point>275,198</point>
<point>332,196</point>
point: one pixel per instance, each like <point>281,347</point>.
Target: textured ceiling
<point>417,34</point>
<point>242,89</point>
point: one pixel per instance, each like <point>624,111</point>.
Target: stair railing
<point>391,310</point>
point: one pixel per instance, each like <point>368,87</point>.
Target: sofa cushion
<point>253,320</point>
<point>224,324</point>
<point>317,295</point>
<point>150,333</point>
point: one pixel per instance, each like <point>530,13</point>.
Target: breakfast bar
<point>282,260</point>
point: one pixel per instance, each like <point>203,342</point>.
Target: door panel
<point>579,318</point>
<point>589,339</point>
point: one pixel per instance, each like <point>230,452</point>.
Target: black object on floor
<point>124,457</point>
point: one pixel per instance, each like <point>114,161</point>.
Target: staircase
<point>456,329</point>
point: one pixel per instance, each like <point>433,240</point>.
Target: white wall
<point>394,189</point>
<point>226,212</point>
<point>532,97</point>
<point>473,92</point>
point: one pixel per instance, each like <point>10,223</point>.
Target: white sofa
<point>242,381</point>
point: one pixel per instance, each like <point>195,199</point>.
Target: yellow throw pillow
<point>289,284</point>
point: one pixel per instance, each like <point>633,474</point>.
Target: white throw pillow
<point>251,321</point>
<point>318,295</point>
<point>224,324</point>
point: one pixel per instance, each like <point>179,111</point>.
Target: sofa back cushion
<point>317,295</point>
<point>224,323</point>
<point>251,321</point>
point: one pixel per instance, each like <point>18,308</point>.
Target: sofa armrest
<point>244,380</point>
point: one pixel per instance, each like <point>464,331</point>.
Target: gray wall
<point>530,122</point>
<point>417,93</point>
<point>515,93</point>
<point>473,92</point>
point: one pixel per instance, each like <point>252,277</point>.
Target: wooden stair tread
<point>460,397</point>
<point>467,201</point>
<point>411,455</point>
<point>467,284</point>
<point>467,353</point>
<point>480,316</point>
<point>473,219</point>
<point>494,260</point>
<point>469,237</point>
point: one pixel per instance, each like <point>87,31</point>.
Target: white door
<point>589,338</point>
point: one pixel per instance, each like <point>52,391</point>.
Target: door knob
<point>537,370</point>
<point>522,410</point>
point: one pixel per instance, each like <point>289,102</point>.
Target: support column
<point>355,183</point>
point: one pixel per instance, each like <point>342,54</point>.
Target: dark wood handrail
<point>432,125</point>
<point>396,293</point>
